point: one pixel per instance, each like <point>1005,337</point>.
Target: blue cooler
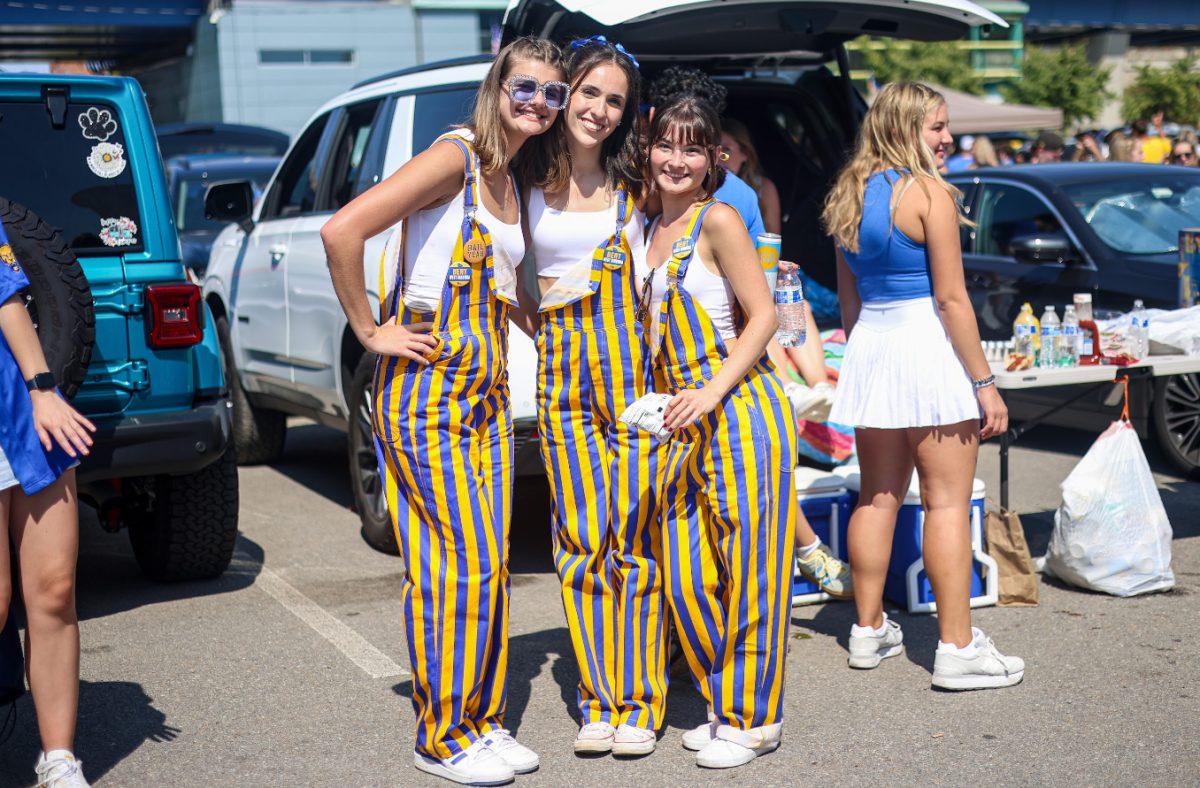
<point>906,582</point>
<point>826,503</point>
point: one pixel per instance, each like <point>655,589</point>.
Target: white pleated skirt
<point>900,370</point>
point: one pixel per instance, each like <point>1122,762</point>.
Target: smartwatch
<point>42,381</point>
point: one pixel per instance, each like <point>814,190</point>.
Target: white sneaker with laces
<point>697,738</point>
<point>522,759</point>
<point>632,740</point>
<point>987,669</point>
<point>595,737</point>
<point>867,649</point>
<point>732,747</point>
<point>63,771</point>
<point>476,765</point>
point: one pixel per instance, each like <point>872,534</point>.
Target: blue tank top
<point>889,266</point>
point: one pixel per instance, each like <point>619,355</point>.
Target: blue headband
<point>602,41</point>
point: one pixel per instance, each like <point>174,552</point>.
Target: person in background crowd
<point>1121,147</point>
<point>1183,152</point>
<point>1087,148</point>
<point>676,83</point>
<point>1047,148</point>
<point>743,161</point>
<point>41,440</point>
<point>441,415</point>
<point>964,158</point>
<point>1004,154</point>
<point>984,153</point>
<point>915,383</point>
<point>1155,148</point>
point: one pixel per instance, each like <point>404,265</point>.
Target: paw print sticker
<point>97,124</point>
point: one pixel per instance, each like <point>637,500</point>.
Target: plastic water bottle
<point>1051,331</point>
<point>1070,345</point>
<point>789,307</point>
<point>1138,343</point>
<point>1025,329</point>
<point>1145,337</point>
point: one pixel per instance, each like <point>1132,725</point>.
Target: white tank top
<point>429,241</point>
<point>713,293</point>
<point>562,239</point>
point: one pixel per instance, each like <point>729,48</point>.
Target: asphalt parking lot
<point>290,669</point>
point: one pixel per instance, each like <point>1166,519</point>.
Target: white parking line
<point>373,662</point>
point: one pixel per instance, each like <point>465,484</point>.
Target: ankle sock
<point>57,755</point>
<point>807,550</point>
<point>858,631</point>
<point>966,651</point>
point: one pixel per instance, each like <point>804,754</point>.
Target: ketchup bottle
<point>1089,334</point>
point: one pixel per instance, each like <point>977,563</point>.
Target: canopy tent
<point>974,115</point>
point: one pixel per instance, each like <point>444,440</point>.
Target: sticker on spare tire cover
<point>10,259</point>
<point>118,231</point>
<point>107,159</point>
<point>97,124</point>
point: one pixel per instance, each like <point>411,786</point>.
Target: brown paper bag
<point>1006,544</point>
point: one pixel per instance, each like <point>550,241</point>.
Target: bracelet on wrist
<point>983,383</point>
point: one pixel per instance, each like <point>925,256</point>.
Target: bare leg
<point>805,535</point>
<point>886,465</point>
<point>45,529</point>
<point>5,570</point>
<point>945,459</point>
<point>809,358</point>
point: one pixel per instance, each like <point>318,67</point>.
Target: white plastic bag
<point>1111,532</point>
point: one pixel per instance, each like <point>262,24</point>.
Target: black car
<point>1045,232</point>
<point>179,139</point>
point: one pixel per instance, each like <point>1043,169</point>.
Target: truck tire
<point>258,433</point>
<point>58,298</point>
<point>1177,421</point>
<point>185,527</point>
<point>365,482</point>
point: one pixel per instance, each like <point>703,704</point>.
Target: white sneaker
<point>476,765</point>
<point>733,747</point>
<point>63,771</point>
<point>867,649</point>
<point>595,737</point>
<point>811,404</point>
<point>697,738</point>
<point>631,740</point>
<point>522,759</point>
<point>987,669</point>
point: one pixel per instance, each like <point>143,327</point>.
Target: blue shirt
<point>34,467</point>
<point>959,163</point>
<point>889,266</point>
<point>741,195</point>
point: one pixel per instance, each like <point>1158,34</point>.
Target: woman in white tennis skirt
<point>914,381</point>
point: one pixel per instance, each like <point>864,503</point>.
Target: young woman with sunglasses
<point>443,427</point>
<point>586,231</point>
<point>725,485</point>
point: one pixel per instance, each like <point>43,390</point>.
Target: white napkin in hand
<point>647,414</point>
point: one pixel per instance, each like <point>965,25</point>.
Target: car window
<point>350,152</point>
<point>435,113</point>
<point>1140,216</point>
<point>76,176</point>
<point>189,198</point>
<point>1007,213</point>
<point>295,190</point>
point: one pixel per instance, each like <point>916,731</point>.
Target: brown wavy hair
<point>890,138</point>
<point>695,122</point>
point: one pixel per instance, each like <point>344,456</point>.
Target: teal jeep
<point>84,201</point>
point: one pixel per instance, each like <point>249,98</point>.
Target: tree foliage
<point>1063,79</point>
<point>938,62</point>
<point>1175,90</point>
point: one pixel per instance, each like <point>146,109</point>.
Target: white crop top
<point>562,239</point>
<point>429,241</point>
<point>713,293</point>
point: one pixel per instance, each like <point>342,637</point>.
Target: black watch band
<point>42,381</point>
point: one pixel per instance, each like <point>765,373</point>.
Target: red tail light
<point>175,316</point>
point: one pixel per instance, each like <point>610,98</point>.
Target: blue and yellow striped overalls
<point>443,433</point>
<point>726,502</point>
<point>591,366</point>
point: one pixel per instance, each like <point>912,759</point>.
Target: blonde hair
<point>985,153</point>
<point>890,138</point>
<point>1120,147</point>
<point>540,158</point>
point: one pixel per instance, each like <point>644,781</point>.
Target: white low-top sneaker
<point>697,738</point>
<point>62,771</point>
<point>595,737</point>
<point>987,669</point>
<point>476,765</point>
<point>522,759</point>
<point>632,740</point>
<point>867,649</point>
<point>733,747</point>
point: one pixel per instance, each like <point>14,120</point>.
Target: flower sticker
<point>10,259</point>
<point>118,231</point>
<point>107,159</point>
<point>97,124</point>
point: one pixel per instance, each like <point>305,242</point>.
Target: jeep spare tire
<point>58,298</point>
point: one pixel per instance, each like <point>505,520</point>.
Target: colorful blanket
<point>825,442</point>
